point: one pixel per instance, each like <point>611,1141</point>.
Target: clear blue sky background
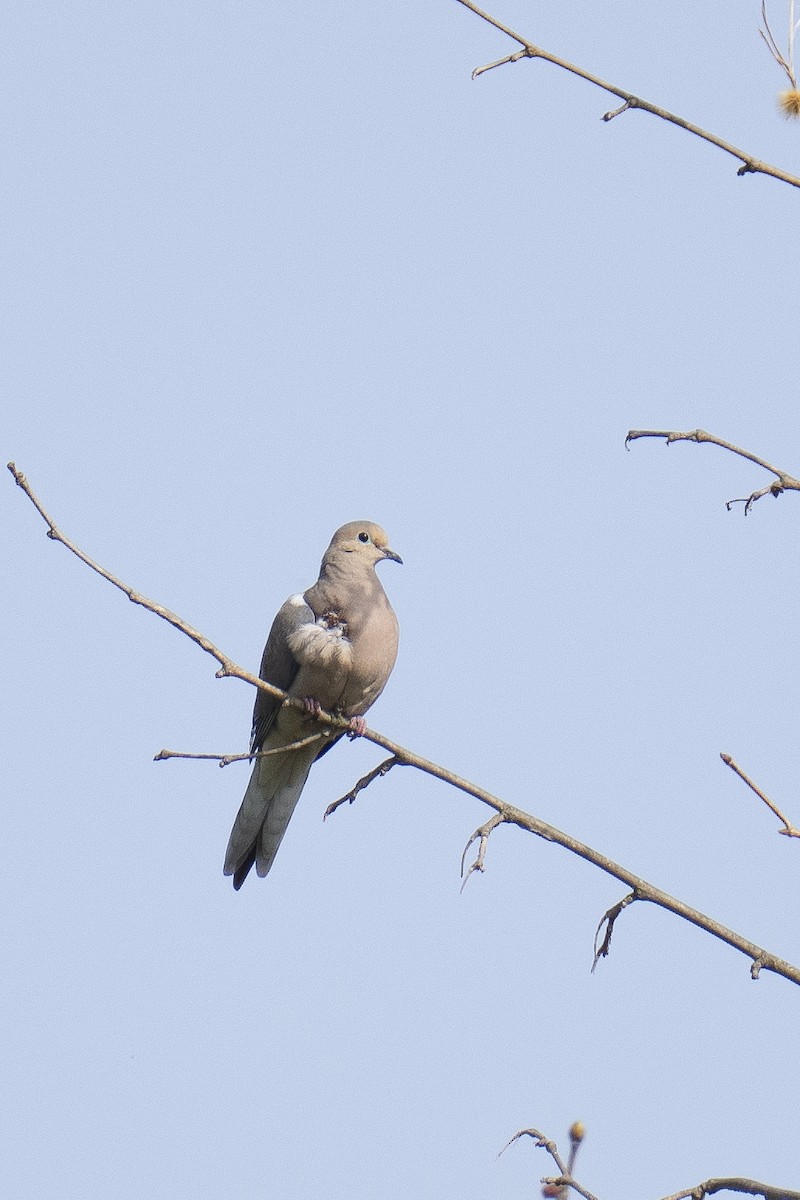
<point>271,267</point>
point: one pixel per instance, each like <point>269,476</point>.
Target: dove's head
<point>364,540</point>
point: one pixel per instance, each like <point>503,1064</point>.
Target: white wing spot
<point>317,645</point>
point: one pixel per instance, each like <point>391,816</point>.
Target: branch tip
<point>615,112</point>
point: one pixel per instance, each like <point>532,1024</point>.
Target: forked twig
<point>481,832</point>
<point>783,481</point>
<point>557,1186</point>
<point>786,63</point>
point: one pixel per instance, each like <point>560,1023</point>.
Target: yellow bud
<point>577,1132</point>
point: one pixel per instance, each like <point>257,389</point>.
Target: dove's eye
<point>363,537</point>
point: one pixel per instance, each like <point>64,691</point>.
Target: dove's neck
<point>340,582</point>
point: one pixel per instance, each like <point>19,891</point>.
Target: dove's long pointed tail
<point>272,794</point>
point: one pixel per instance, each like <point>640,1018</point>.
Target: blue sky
<point>269,268</point>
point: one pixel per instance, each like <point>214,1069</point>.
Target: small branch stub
<point>616,112</point>
<point>501,62</point>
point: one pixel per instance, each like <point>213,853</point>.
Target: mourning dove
<point>333,647</point>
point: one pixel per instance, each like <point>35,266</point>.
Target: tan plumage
<point>336,645</point>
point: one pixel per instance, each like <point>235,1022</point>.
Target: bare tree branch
<point>377,773</point>
<point>785,62</point>
<point>783,482</point>
<point>481,833</point>
<point>557,1185</point>
<point>761,960</point>
<point>750,1187</point>
<point>225,760</point>
<point>227,666</point>
<point>750,165</point>
<point>543,1143</point>
<point>788,829</point>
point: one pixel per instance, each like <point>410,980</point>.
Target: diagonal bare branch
<point>761,960</point>
<point>750,165</point>
<point>227,666</point>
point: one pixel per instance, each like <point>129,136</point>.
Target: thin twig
<point>788,829</point>
<point>750,165</point>
<point>483,833</point>
<point>225,760</point>
<point>760,959</point>
<point>783,482</point>
<point>785,64</point>
<point>542,1142</point>
<point>376,773</point>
